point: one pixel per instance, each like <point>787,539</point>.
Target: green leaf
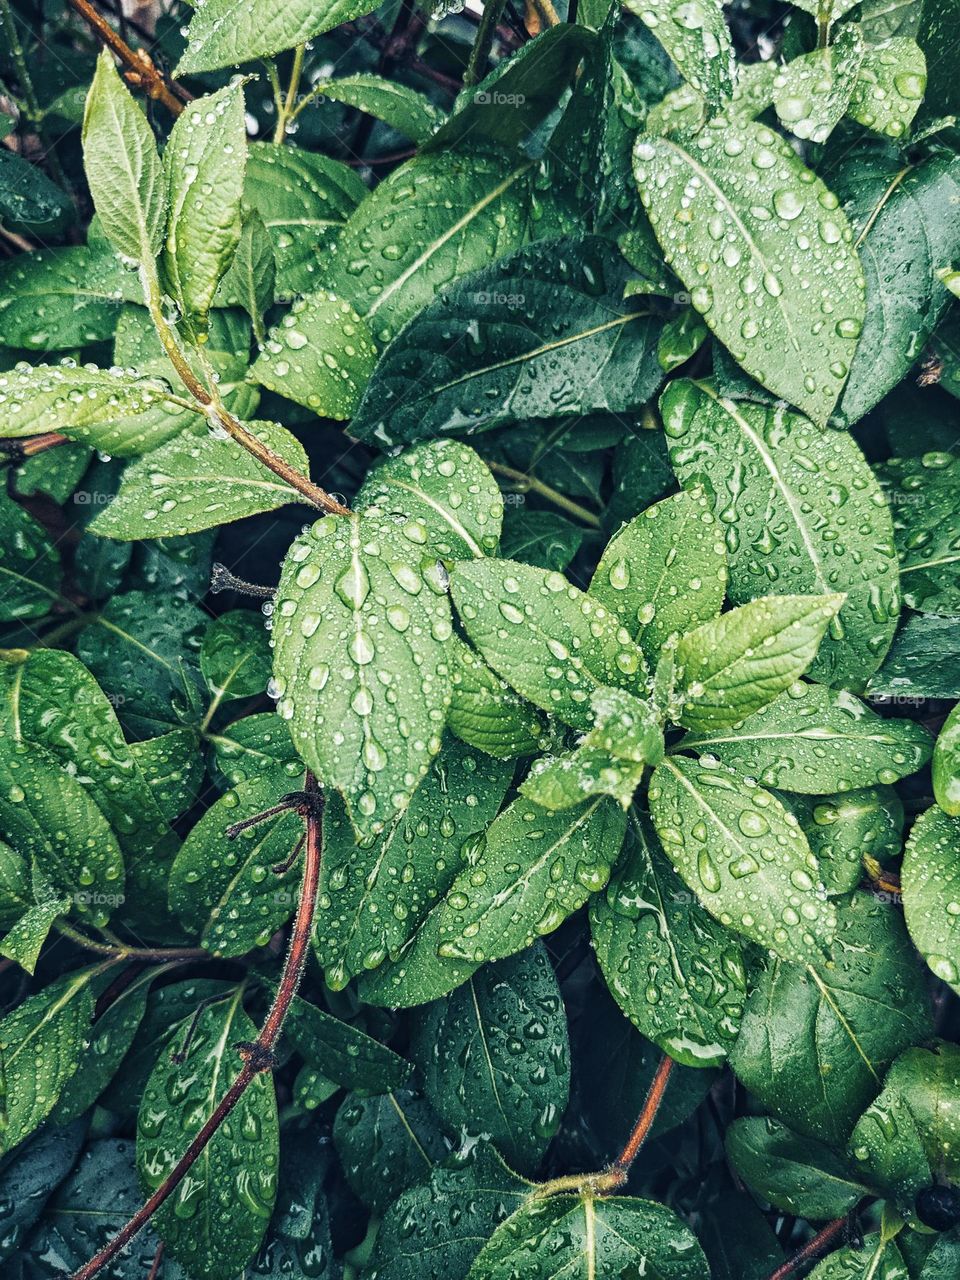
<point>224,33</point>
<point>811,94</point>
<point>825,11</point>
<point>946,765</point>
<point>50,819</point>
<point>653,939</point>
<point>561,645</point>
<point>41,1043</point>
<point>743,855</point>
<point>30,571</point>
<point>495,1057</point>
<point>216,1218</point>
<point>235,657</point>
<point>435,1229</point>
<point>532,870</point>
<point>889,87</point>
<point>665,571</point>
<point>226,890</point>
<point>29,201</point>
<point>875,1259</point>
<point>402,108</point>
<point>55,299</point>
<point>173,768</point>
<point>751,203</point>
<point>803,513</point>
<point>923,662</point>
<point>77,400</point>
<point>930,878</point>
<point>203,168</point>
<point>736,665</point>
<point>795,1174</point>
<point>23,942</point>
<point>123,168</point>
<point>815,740</point>
<point>543,538</point>
<point>697,39</point>
<point>321,355</point>
<point>254,746</point>
<point>907,1139</point>
<point>434,218</point>
<point>906,220</point>
<point>30,1178</point>
<point>386,1144</point>
<point>304,200</point>
<point>344,1054</point>
<point>373,897</point>
<point>577,1238</point>
<point>845,829</point>
<point>737,1238</point>
<point>250,280</point>
<point>551,337</point>
<point>485,712</point>
<point>445,488</point>
<point>199,481</point>
<point>609,760</point>
<point>814,1043</point>
<point>924,494</point>
<point>361,588</point>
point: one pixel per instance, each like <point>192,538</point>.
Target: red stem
<point>258,1056</point>
<point>651,1105</point>
<point>811,1249</point>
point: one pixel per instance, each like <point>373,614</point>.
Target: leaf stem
<point>218,415</point>
<point>480,53</point>
<point>34,111</point>
<point>257,1057</point>
<point>123,952</point>
<point>525,482</point>
<point>286,112</point>
<point>824,1237</point>
<point>141,70</point>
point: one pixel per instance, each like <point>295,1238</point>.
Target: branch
<point>530,483</point>
<point>141,70</point>
<point>258,1056</point>
<point>811,1249</point>
<point>120,951</point>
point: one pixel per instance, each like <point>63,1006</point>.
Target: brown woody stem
<point>257,1057</point>
<point>821,1241</point>
<point>140,69</point>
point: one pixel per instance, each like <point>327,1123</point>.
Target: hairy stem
<point>258,1057</point>
<point>527,483</point>
<point>120,951</point>
<point>821,1241</point>
<point>140,68</point>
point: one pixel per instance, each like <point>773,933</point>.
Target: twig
<point>258,1056</point>
<point>123,952</point>
<point>286,112</point>
<point>525,482</point>
<point>486,31</point>
<point>140,67</point>
<point>824,1237</point>
<point>157,1260</point>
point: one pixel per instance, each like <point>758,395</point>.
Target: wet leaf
<point>30,571</point>
<point>811,94</point>
<point>55,299</point>
<point>890,86</point>
<point>342,1053</point>
<point>250,280</point>
<point>386,1144</point>
<point>80,401</point>
<point>257,745</point>
<point>696,37</point>
<point>402,108</point>
<point>845,829</point>
<point>798,1175</point>
<point>923,494</point>
<point>930,878</point>
<point>485,712</point>
<point>31,1177</point>
<point>235,657</point>
<point>946,765</point>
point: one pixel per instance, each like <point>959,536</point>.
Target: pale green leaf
<point>23,942</point>
<point>930,878</point>
<point>811,94</point>
<point>890,87</point>
<point>402,108</point>
<point>79,400</point>
<point>696,37</point>
<point>946,765</point>
<point>484,710</point>
<point>250,280</point>
<point>55,299</point>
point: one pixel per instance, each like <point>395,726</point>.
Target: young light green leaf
<point>825,11</point>
<point>215,1220</point>
<point>226,891</point>
<point>803,513</point>
<point>123,167</point>
<point>946,765</point>
<point>484,710</point>
<point>250,280</point>
<point>55,299</point>
<point>506,1031</point>
<point>747,205</point>
<point>665,571</point>
<point>360,628</point>
<point>554,338</point>
<point>652,938</point>
<point>434,218</point>
<point>235,656</point>
<point>76,400</point>
<point>924,494</point>
<point>889,87</point>
<point>445,488</point>
<point>811,94</point>
<point>814,1043</point>
<point>532,869</point>
<point>224,33</point>
<point>199,481</point>
<point>744,856</point>
<point>402,108</point>
<point>374,896</point>
<point>304,199</point>
<point>203,168</point>
<point>697,39</point>
<point>578,1238</point>
<point>555,645</point>
<point>321,355</point>
<point>814,740</point>
<point>795,1174</point>
<point>41,1043</point>
<point>930,879</point>
<point>738,664</point>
